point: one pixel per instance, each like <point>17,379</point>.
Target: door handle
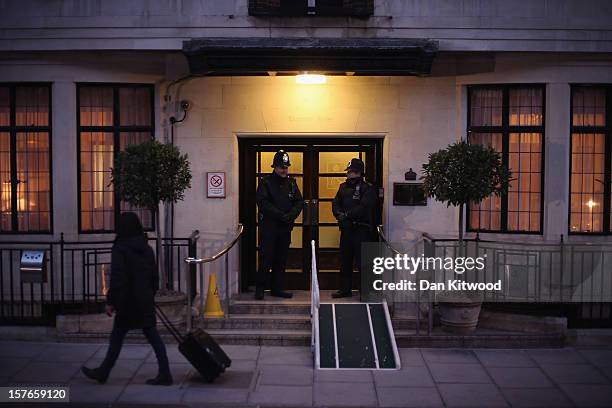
<point>311,212</point>
<point>314,212</point>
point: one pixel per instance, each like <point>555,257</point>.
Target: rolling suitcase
<point>199,349</point>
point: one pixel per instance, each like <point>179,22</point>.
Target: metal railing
<point>422,241</point>
<point>577,277</point>
<point>78,275</point>
<point>315,301</point>
<point>192,260</point>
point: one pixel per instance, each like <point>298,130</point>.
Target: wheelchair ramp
<point>355,336</point>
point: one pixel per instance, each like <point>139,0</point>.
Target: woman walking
<point>133,283</point>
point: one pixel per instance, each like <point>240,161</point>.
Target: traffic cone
<point>213,304</point>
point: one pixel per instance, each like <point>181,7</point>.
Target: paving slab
<point>588,395</point>
<point>207,397</point>
<point>241,352</point>
<point>285,375</point>
<point>515,377</point>
<point>411,357</point>
<point>290,395</point>
<point>556,356</point>
<point>242,365</point>
<point>449,356</point>
<point>351,376</point>
<point>607,371</point>
<point>344,395</point>
<point>598,357</point>
<point>24,349</point>
<point>150,370</point>
<point>174,355</point>
<point>139,393</point>
<point>285,355</point>
<point>536,397</point>
<point>9,366</point>
<point>233,380</point>
<point>459,373</point>
<point>413,377</point>
<point>574,374</point>
<point>45,372</point>
<point>137,351</point>
<point>504,358</point>
<point>123,370</point>
<point>409,397</point>
<point>471,395</point>
<point>61,352</point>
<point>95,393</point>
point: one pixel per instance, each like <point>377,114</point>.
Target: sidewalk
<point>283,376</point>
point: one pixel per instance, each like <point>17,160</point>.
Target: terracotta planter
<point>459,317</point>
<point>173,305</point>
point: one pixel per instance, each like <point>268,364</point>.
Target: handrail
<point>202,261</point>
<point>192,260</point>
<point>381,234</point>
<point>425,237</point>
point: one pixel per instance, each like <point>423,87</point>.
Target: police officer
<point>280,202</point>
<point>353,207</point>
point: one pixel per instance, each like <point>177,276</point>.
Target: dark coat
<point>133,283</point>
<point>279,201</point>
<point>359,207</point>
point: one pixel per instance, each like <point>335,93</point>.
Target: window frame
<point>116,130</point>
<point>13,129</point>
<point>606,130</point>
<point>505,130</point>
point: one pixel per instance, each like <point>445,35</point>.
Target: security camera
<point>185,105</point>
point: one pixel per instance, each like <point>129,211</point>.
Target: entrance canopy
<point>290,56</point>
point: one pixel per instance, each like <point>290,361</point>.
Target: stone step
<point>260,337</point>
<point>264,307</point>
<point>257,321</point>
<point>222,336</point>
<point>479,339</point>
<point>404,338</point>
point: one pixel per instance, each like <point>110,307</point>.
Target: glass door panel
<point>318,168</point>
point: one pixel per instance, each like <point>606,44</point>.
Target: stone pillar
<point>556,161</point>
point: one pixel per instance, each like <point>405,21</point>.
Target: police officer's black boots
<point>259,293</point>
<point>342,294</point>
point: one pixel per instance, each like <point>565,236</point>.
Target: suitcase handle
<point>166,322</point>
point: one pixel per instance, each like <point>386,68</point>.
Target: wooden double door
<point>318,167</point>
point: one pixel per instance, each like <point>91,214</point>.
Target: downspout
<point>169,209</point>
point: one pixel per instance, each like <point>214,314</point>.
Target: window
<point>25,158</point>
<point>110,118</point>
<point>590,180</point>
<point>510,119</point>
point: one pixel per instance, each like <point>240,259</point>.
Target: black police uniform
<point>280,202</point>
<point>353,206</point>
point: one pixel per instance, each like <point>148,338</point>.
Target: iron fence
<point>77,278</point>
<point>559,278</point>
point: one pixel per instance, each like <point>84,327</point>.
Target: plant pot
<point>173,305</point>
<point>459,317</point>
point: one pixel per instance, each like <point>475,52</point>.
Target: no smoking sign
<point>215,184</point>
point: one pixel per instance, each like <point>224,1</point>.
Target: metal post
<point>189,299</point>
<point>200,310</point>
<point>227,285</point>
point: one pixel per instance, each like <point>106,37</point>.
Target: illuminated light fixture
<point>591,204</point>
<point>310,79</point>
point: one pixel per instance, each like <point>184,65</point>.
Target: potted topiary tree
<point>463,173</point>
<point>147,175</point>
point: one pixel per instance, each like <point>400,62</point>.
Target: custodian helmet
<point>281,159</point>
<point>356,164</point>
